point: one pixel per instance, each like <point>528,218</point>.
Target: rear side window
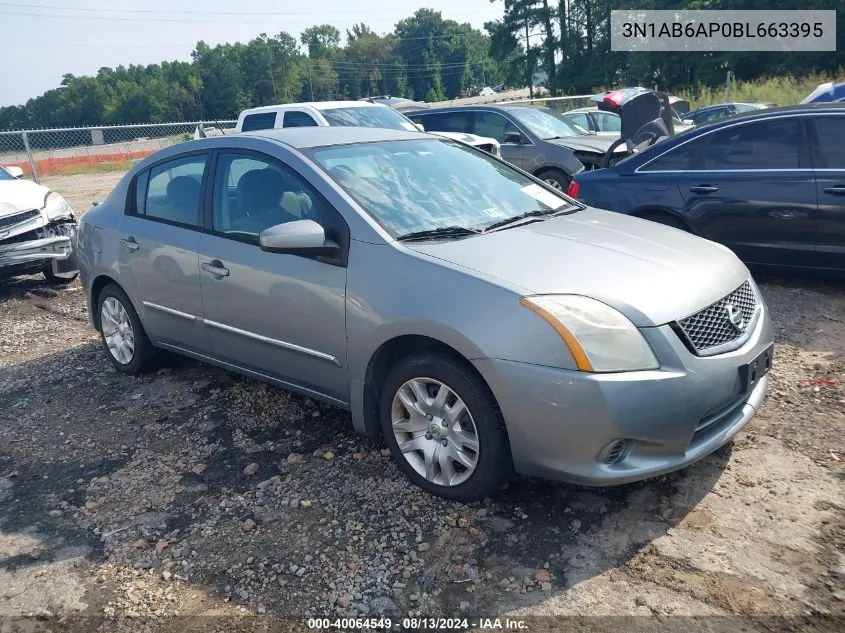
<point>172,190</point>
<point>764,145</point>
<point>579,118</point>
<point>444,122</point>
<point>295,118</point>
<point>683,157</point>
<point>830,132</point>
<point>608,122</point>
<point>260,121</point>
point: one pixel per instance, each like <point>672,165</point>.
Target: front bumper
<point>561,423</point>
<point>58,249</point>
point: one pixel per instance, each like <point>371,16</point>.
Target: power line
<point>177,12</point>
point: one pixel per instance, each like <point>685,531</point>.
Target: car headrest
<point>260,190</point>
<point>184,192</point>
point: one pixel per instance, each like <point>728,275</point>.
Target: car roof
<point>317,105</point>
<point>323,136</point>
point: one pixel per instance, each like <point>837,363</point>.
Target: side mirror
<point>96,203</point>
<point>419,126</point>
<point>301,237</point>
<point>14,171</point>
<point>513,137</point>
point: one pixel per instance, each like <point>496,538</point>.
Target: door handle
<point>130,243</point>
<point>838,190</point>
<point>215,267</point>
<point>704,189</point>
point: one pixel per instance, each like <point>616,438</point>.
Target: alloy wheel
<point>117,330</point>
<point>435,431</point>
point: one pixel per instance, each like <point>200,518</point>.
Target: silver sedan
<point>478,319</point>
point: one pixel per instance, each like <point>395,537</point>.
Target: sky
<point>41,40</point>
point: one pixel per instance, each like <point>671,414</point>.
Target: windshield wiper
<point>534,216</point>
<point>443,231</point>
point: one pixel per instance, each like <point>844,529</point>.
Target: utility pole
<point>310,84</point>
<point>528,62</point>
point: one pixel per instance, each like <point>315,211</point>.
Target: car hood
<point>588,143</point>
<point>652,273</point>
<point>20,195</point>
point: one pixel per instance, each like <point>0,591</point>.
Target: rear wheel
<point>128,347</point>
<point>556,178</point>
<point>444,428</point>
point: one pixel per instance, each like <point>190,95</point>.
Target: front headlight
<point>56,207</point>
<point>600,338</point>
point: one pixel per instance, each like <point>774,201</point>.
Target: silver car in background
<point>476,317</point>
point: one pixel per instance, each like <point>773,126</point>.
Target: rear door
<point>827,136</point>
<point>755,192</point>
<point>157,253</point>
<point>495,125</point>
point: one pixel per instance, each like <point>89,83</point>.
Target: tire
<point>667,219</point>
<point>556,178</point>
<point>446,435</point>
<point>58,278</point>
<point>120,308</point>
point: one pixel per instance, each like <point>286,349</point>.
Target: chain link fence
<point>558,104</point>
<point>84,150</point>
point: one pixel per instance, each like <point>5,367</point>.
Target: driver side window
<point>252,194</point>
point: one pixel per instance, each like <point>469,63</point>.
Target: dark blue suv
<point>768,184</point>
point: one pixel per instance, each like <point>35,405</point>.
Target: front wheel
<point>555,178</point>
<point>53,277</point>
<point>444,428</point>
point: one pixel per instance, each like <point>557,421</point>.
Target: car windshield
<point>368,117</point>
<point>4,175</point>
<point>546,124</point>
<point>424,185</point>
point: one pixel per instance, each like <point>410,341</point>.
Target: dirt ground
<point>127,503</point>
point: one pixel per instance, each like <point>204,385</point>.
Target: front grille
<point>714,328</point>
<point>17,218</point>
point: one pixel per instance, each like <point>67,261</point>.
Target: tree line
<point>426,57</point>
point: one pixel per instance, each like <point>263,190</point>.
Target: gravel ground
<point>81,191</point>
<point>190,491</point>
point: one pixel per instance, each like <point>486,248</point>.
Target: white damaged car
<point>37,229</point>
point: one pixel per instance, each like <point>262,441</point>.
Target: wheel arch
<point>390,351</point>
<point>651,212</point>
<point>100,282</point>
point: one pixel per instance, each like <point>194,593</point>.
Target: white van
<point>344,113</point>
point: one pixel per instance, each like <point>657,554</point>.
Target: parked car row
<point>769,184</point>
<point>283,252</point>
<point>476,317</point>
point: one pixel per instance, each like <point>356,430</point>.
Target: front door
<point>276,314</point>
<point>829,168</point>
<point>494,125</point>
<point>157,251</point>
<point>755,192</point>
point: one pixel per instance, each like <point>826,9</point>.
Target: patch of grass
<point>784,90</point>
<point>99,168</point>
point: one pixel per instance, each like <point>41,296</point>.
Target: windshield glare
<point>426,184</point>
<point>546,124</point>
<point>4,175</point>
<point>368,117</point>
